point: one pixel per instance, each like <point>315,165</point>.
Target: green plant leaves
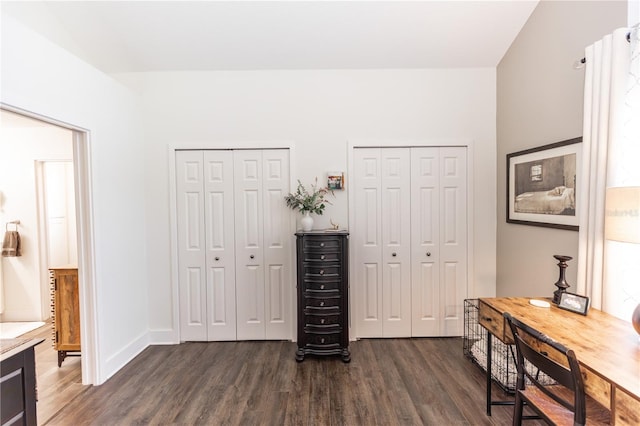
<point>312,201</point>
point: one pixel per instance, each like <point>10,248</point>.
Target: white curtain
<point>610,158</point>
<point>607,66</point>
<point>621,290</point>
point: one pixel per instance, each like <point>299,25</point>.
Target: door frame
<point>85,235</point>
<point>404,143</point>
<point>172,336</point>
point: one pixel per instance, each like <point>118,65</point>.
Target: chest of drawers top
<point>321,241</point>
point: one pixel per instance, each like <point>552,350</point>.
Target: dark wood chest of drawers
<point>323,294</point>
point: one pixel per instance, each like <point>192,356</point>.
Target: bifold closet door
<point>410,241</point>
<point>438,240</point>
<point>382,242</point>
<point>234,244</point>
<point>262,239</point>
<point>206,245</point>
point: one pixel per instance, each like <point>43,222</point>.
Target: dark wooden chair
<point>561,403</point>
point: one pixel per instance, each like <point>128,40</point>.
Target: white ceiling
<point>138,36</point>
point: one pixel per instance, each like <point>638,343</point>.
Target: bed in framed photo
<point>554,201</point>
<point>542,185</point>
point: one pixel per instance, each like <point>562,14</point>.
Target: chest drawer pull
<point>322,287</point>
<point>322,340</point>
<point>321,303</point>
<point>321,271</point>
<point>321,244</point>
<point>322,257</point>
<point>322,321</point>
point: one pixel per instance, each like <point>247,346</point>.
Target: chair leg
<point>517,410</point>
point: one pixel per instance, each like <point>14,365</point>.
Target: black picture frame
<point>543,184</point>
<point>574,303</point>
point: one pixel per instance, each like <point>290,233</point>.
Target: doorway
<point>21,204</point>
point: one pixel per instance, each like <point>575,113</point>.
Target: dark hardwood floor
<point>388,382</point>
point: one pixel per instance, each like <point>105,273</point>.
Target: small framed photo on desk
<point>574,302</point>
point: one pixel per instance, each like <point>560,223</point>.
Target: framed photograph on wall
<point>335,180</point>
<point>542,184</point>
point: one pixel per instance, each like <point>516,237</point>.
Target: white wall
<point>319,112</point>
<point>540,101</point>
<point>38,76</point>
<point>20,148</point>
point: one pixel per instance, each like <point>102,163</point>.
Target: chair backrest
<point>551,358</point>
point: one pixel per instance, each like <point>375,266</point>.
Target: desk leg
<point>488,373</point>
<point>490,402</point>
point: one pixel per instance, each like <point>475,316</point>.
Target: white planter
<point>306,222</point>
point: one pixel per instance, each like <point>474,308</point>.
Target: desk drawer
<point>627,409</point>
<point>493,321</point>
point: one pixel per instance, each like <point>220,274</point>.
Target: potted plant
<point>308,201</point>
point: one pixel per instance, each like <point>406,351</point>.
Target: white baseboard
<point>163,337</point>
<point>118,360</point>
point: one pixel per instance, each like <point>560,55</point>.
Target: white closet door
<point>425,241</point>
<point>453,239</point>
<point>411,203</point>
<point>262,244</point>
<point>396,242</point>
<point>382,242</point>
<point>367,243</point>
<point>234,244</point>
<point>277,240</point>
<point>191,245</point>
<point>220,253</point>
<point>249,244</point>
<point>439,240</point>
<point>206,247</point>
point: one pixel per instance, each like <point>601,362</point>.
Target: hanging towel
<point>11,244</point>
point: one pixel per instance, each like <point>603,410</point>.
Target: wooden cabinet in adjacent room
<point>323,294</point>
<point>65,309</point>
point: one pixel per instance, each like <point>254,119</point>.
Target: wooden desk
<point>607,348</point>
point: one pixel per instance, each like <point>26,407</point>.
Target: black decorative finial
<point>562,282</point>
